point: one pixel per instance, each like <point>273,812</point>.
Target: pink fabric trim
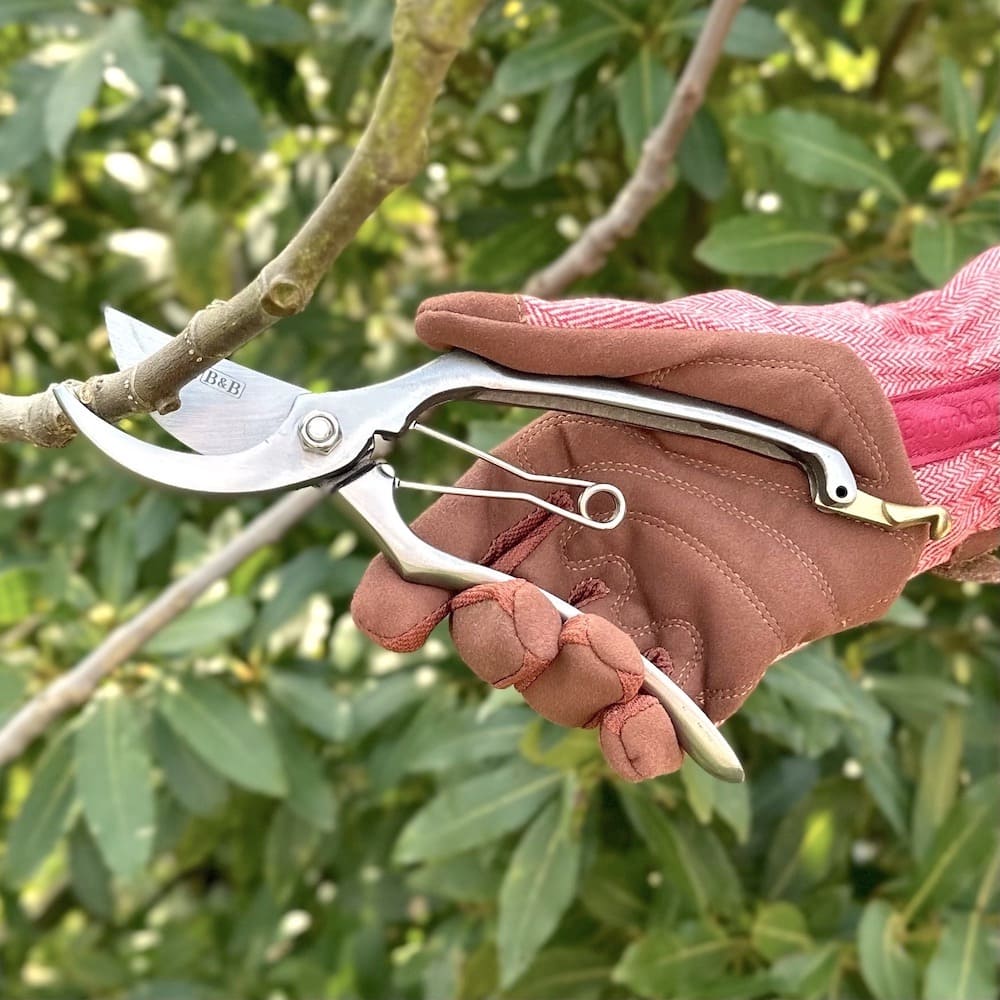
<point>941,423</point>
<point>937,342</point>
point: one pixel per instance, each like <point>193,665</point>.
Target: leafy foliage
<point>262,805</point>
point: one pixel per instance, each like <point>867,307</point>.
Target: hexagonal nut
<point>319,432</point>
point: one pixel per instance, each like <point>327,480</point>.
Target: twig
<point>426,36</point>
<point>909,21</point>
<point>76,686</point>
<point>651,178</point>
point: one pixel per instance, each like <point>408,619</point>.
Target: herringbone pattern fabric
<point>938,338</point>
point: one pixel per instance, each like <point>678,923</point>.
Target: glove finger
<point>638,739</point>
<point>507,633</point>
<point>400,615</point>
<point>597,665</point>
<point>397,615</point>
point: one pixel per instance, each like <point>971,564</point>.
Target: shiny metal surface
<point>582,515</point>
<point>228,408</point>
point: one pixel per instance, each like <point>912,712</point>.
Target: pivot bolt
<point>319,432</point>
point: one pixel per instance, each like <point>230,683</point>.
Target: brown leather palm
<point>722,564</point>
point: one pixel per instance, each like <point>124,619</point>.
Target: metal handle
<point>460,375</point>
<point>370,498</point>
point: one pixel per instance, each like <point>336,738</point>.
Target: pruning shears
<point>252,433</point>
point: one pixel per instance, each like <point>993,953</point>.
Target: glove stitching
<point>644,472</point>
<point>871,446</point>
<point>537,428</point>
<point>425,625</point>
<point>614,725</point>
<point>623,597</point>
<point>720,564</point>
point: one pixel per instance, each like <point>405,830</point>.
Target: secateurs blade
<point>256,434</point>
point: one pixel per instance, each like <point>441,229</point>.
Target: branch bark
<point>427,34</point>
<point>76,686</point>
<point>652,178</point>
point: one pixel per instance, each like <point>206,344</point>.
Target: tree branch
<point>426,36</point>
<point>76,686</point>
<point>651,179</point>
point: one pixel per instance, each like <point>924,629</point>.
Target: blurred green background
<point>321,819</point>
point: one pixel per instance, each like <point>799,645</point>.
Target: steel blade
<point>229,408</point>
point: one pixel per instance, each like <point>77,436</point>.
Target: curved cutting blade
<point>227,409</point>
<point>279,462</point>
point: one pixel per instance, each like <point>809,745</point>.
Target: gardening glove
<point>723,564</point>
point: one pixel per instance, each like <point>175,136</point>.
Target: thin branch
<point>427,34</point>
<point>76,686</point>
<point>910,20</point>
<point>652,177</point>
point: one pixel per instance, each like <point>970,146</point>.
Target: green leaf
<point>203,628</point>
<point>288,850</point>
<point>817,150</point>
<point>202,261</point>
<point>270,24</point>
<point>21,140</point>
<point>813,973</point>
<point>476,811</point>
<point>313,703</point>
<point>577,972</point>
<point>958,109</point>
<point>117,565</point>
<point>961,848</point>
<point>46,812</point>
<point>114,781</point>
<point>939,247</point>
<point>963,965</point>
<point>21,11</point>
<point>470,877</point>
<point>754,34</point>
<point>475,740</point>
<point>18,587</point>
<point>779,929</point>
<point>73,90</point>
<point>310,793</point>
<point>539,886</point>
<point>220,728</point>
<point>551,114</point>
<point>642,96</point>
<point>702,156</point>
<point>214,92</point>
<point>194,784</point>
<point>764,244</point>
<point>13,687</point>
<point>134,49</point>
<point>732,806</point>
<point>691,857</point>
<point>312,571</point>
<point>700,788</point>
<point>89,875</point>
<point>615,889</point>
<point>156,517</point>
<point>675,963</point>
<point>940,761</point>
<point>556,57</point>
<point>905,613</point>
<point>887,969</point>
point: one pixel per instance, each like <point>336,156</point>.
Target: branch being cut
<point>76,686</point>
<point>427,34</point>
<point>652,178</point>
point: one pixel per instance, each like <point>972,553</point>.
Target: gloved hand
<point>723,563</point>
